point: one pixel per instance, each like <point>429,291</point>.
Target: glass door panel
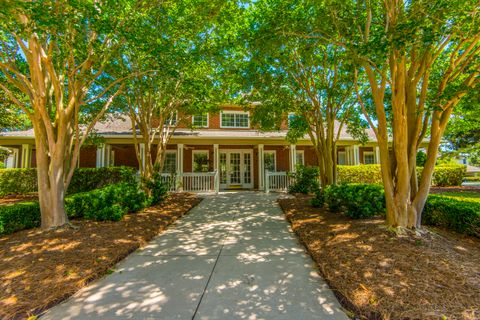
<point>235,177</point>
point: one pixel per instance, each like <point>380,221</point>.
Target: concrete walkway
<point>232,257</point>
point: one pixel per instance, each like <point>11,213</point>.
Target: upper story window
<point>200,120</point>
<point>291,118</point>
<point>234,119</point>
<point>171,120</point>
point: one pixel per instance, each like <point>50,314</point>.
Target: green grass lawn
<point>464,196</point>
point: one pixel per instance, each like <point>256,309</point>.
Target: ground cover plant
<point>372,281</point>
<point>66,259</point>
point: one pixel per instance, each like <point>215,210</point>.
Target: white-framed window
<point>269,159</point>
<point>234,119</point>
<point>342,158</point>
<point>300,157</point>
<point>172,118</point>
<point>200,160</point>
<point>200,120</point>
<point>170,162</point>
<point>368,157</point>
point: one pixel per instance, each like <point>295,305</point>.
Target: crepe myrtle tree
<point>53,57</point>
<point>173,42</point>
<point>311,83</point>
<point>421,58</point>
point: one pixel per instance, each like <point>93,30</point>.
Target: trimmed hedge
<point>357,200</point>
<point>460,216</point>
<point>367,200</point>
<point>449,175</point>
<point>365,173</point>
<point>108,203</point>
<point>443,175</point>
<point>19,216</point>
<point>22,181</point>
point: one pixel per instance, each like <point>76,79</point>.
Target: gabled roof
<point>122,126</point>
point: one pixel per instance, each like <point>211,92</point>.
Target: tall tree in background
<point>296,76</point>
<point>173,43</point>
<point>53,56</point>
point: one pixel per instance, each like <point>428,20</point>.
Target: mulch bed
<point>377,274</point>
<point>14,198</point>
<point>39,269</point>
<point>455,189</point>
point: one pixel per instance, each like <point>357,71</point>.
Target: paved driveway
<point>232,257</point>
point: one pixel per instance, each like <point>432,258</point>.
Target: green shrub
<point>472,178</point>
<point>305,180</point>
<point>22,181</point>
<point>86,179</point>
<point>18,181</point>
<point>421,158</point>
<point>357,200</point>
<point>365,173</point>
<point>449,175</point>
<point>101,204</point>
<point>319,200</point>
<point>19,216</point>
<point>108,203</point>
<point>453,214</point>
<point>157,188</point>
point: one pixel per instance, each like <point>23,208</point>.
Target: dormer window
<point>200,120</point>
<point>235,119</point>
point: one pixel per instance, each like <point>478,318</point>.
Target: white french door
<point>236,169</point>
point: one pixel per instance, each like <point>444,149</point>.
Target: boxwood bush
<point>19,216</point>
<point>365,173</point>
<point>357,200</point>
<point>367,200</point>
<point>108,203</point>
<point>22,181</point>
<point>449,175</point>
<point>454,214</point>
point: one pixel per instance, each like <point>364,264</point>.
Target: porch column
<point>377,154</point>
<point>261,168</point>
<point>293,157</point>
<point>26,155</point>
<point>216,158</point>
<point>100,161</point>
<point>108,155</point>
<point>141,148</point>
<point>180,166</point>
<point>356,155</point>
<point>216,167</point>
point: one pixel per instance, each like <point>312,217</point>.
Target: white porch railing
<point>192,181</point>
<point>277,181</point>
<point>170,179</point>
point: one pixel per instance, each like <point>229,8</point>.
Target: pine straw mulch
<point>377,274</point>
<point>14,198</point>
<point>40,269</point>
<point>455,189</point>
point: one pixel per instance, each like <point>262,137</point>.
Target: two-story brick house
<point>224,142</point>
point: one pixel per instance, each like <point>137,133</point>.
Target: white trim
<point>235,112</point>
<point>208,120</point>
<point>242,153</point>
<point>261,167</point>
<point>197,152</point>
<point>369,153</point>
